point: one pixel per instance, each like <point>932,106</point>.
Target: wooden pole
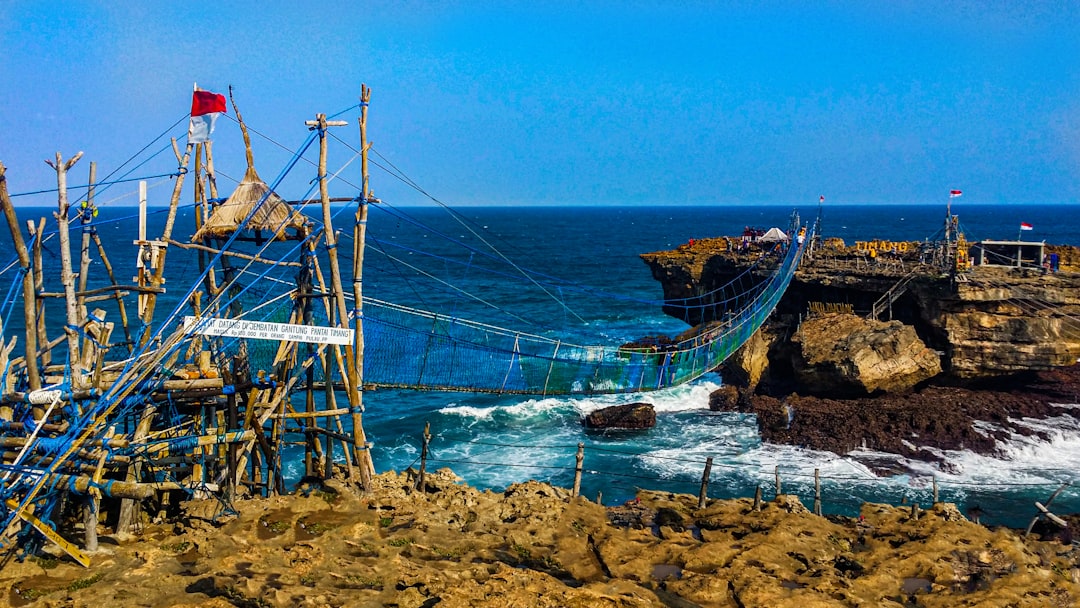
<point>779,489</point>
<point>86,216</point>
<point>127,506</point>
<point>703,494</point>
<point>90,521</point>
<point>363,456</point>
<point>579,461</point>
<point>817,492</point>
<point>935,491</point>
<point>29,304</point>
<point>423,457</point>
<point>117,293</point>
<point>757,498</point>
<point>37,233</point>
<point>159,271</point>
<point>353,379</point>
<point>66,276</point>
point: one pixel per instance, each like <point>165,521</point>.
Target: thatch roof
<point>274,215</point>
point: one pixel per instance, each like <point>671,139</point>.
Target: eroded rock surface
<point>914,425</point>
<point>847,355</point>
<point>534,545</point>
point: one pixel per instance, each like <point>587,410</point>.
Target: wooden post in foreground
<point>66,276</point>
<point>817,492</point>
<point>579,461</point>
<point>29,295</point>
<point>776,472</point>
<point>757,498</point>
<point>352,381</point>
<point>703,494</point>
<point>423,457</point>
<point>362,454</point>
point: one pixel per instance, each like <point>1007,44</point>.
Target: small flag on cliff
<point>1026,226</point>
<point>954,193</point>
<point>821,199</point>
<point>205,109</point>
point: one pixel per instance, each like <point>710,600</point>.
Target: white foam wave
<point>693,396</point>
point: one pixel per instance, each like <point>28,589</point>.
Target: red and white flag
<point>954,193</point>
<point>821,199</point>
<point>205,109</point>
<point>1026,226</point>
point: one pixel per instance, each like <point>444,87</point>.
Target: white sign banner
<point>265,330</point>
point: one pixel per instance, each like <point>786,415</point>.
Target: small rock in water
<point>625,416</point>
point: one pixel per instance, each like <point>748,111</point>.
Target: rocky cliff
<point>985,322</point>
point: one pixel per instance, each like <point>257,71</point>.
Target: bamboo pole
<point>117,293</point>
<point>363,459</point>
<point>86,216</point>
<point>127,506</point>
<point>324,359</point>
<point>363,456</point>
<point>37,233</point>
<point>159,271</point>
<point>66,276</point>
<point>29,304</point>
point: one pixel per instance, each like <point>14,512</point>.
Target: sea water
<point>573,274</point>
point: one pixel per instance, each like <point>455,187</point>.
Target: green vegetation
<point>316,528</point>
<point>240,600</point>
<point>47,562</point>
<point>386,521</point>
<point>83,583</point>
<point>447,553</point>
<point>400,542</point>
<point>329,497</point>
<point>30,594</point>
<point>276,527</point>
<point>177,547</point>
<point>364,582</point>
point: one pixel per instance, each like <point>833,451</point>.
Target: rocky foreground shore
<point>533,545</point>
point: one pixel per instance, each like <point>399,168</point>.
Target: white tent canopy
<point>773,235</point>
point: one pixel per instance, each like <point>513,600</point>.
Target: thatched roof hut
<point>274,215</point>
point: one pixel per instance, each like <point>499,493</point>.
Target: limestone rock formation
<point>628,416</point>
<point>749,365</point>
<point>1007,321</point>
<point>846,355</point>
<point>533,545</point>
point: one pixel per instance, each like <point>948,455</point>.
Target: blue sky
<point>574,103</point>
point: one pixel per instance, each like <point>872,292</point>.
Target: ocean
<point>573,273</point>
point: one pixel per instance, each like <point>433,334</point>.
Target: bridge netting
<point>415,349</point>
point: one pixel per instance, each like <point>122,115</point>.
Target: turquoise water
<point>573,273</point>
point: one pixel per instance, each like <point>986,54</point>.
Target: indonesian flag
<point>954,193</point>
<point>205,109</point>
<point>1026,226</point>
